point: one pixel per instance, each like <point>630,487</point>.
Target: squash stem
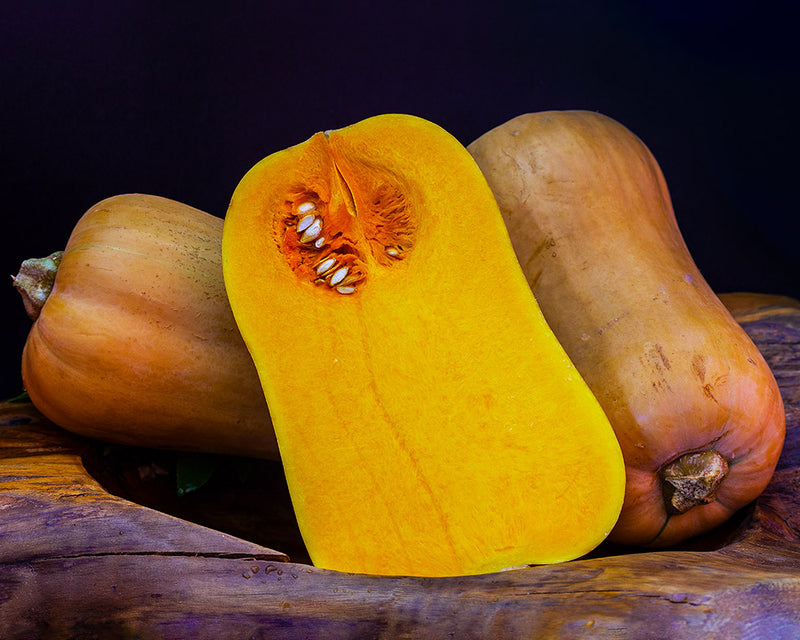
<point>692,479</point>
<point>35,281</point>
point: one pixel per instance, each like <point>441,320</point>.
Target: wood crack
<point>259,557</point>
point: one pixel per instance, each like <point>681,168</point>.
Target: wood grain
<point>79,562</point>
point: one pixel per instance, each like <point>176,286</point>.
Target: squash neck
<point>35,281</point>
<point>692,479</point>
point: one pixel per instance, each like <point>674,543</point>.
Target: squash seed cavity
<point>330,246</point>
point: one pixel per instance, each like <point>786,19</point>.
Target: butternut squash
<point>133,340</point>
<point>694,405</point>
<point>428,420</point>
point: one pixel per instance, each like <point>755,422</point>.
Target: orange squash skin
<point>593,227</point>
<point>136,344</point>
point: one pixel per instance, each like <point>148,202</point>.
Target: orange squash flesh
<point>428,420</point>
<point>696,408</point>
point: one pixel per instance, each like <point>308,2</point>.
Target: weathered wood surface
<point>77,562</point>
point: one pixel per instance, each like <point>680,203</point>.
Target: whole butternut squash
<point>429,422</point>
<point>133,340</point>
<point>694,405</point>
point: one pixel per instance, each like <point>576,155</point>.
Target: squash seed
<point>312,230</point>
<point>326,265</point>
<point>305,222</point>
<point>338,276</point>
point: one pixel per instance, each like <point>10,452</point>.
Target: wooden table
<point>79,560</point>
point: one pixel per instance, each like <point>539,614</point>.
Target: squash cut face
<point>428,420</point>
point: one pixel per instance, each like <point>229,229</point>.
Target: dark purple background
<point>180,99</point>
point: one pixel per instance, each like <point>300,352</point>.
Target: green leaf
<point>193,470</point>
<point>22,397</point>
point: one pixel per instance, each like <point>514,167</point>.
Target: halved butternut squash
<point>428,420</point>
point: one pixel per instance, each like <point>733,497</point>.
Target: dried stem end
<point>692,479</point>
<point>35,281</point>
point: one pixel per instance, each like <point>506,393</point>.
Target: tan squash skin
<point>592,224</point>
<point>136,344</point>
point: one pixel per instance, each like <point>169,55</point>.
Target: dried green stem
<point>693,479</point>
<point>35,281</point>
